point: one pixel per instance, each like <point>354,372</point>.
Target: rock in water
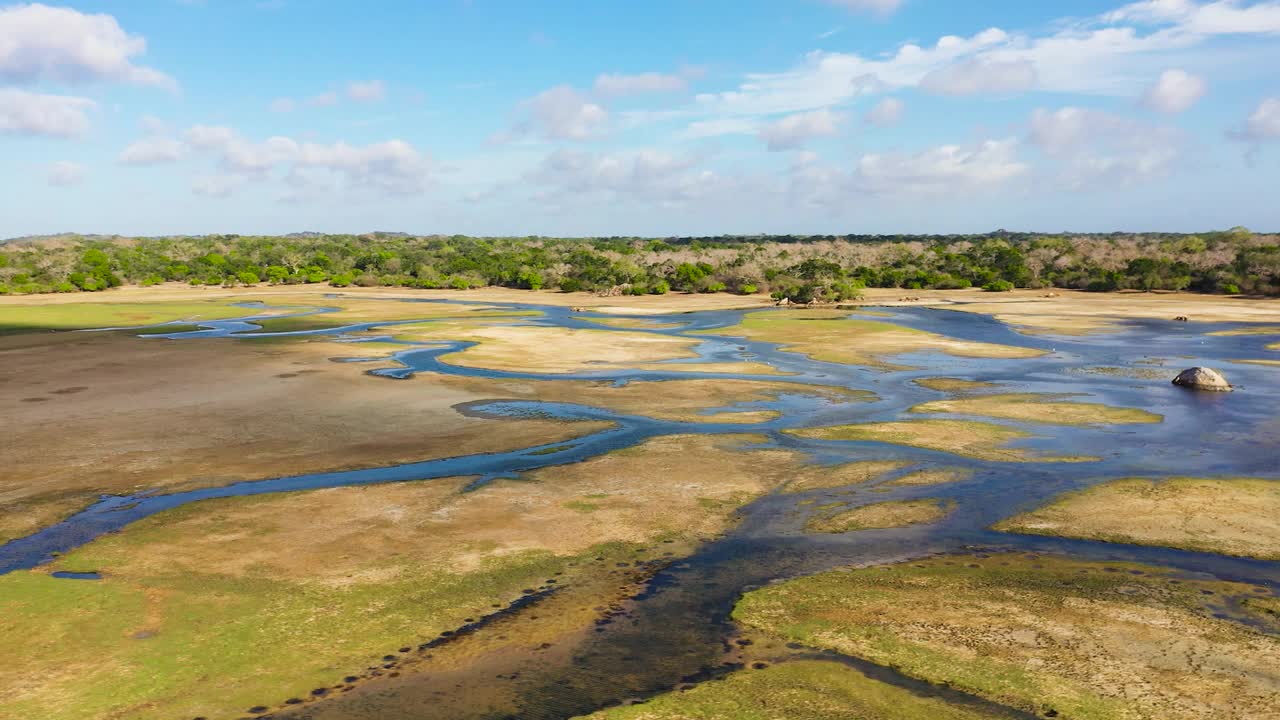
<point>1202,378</point>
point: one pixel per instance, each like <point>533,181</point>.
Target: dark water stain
<point>679,629</point>
<point>63,574</point>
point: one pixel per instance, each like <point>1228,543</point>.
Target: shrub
<point>998,286</point>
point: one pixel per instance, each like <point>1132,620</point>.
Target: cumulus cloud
<point>63,173</point>
<point>941,171</point>
<point>561,113</point>
<point>1105,55</point>
<point>976,76</point>
<point>152,151</point>
<point>944,169</point>
<point>310,170</point>
<point>1262,125</point>
<point>794,131</point>
<point>1175,91</point>
<point>28,113</point>
<point>880,7</point>
<point>370,91</point>
<point>1097,148</point>
<point>886,113</point>
<point>42,43</point>
<point>646,175</point>
<point>1264,122</point>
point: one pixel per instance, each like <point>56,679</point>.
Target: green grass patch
<point>79,316</point>
<point>164,644</point>
<point>797,690</point>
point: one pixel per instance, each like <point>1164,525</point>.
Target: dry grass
<point>1035,408</point>
<point>954,385</point>
<point>930,476</point>
<point>797,690</point>
<point>892,514</point>
<point>832,336</point>
<point>1085,640</point>
<point>983,441</point>
<point>854,473</point>
<point>247,601</point>
<point>1073,312</point>
<point>1232,517</point>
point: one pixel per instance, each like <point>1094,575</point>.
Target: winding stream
<point>678,627</point>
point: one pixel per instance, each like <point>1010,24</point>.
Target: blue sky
<point>588,118</point>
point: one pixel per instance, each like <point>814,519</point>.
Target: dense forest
<point>803,269</point>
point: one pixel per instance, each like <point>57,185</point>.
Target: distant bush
<point>998,286</point>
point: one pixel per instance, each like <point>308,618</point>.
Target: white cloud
<point>1175,91</point>
<point>283,105</point>
<point>27,113</point>
<point>650,176</point>
<point>614,84</point>
<point>942,171</point>
<point>979,75</point>
<point>393,167</point>
<point>42,43</point>
<point>152,151</point>
<point>886,113</point>
<point>827,79</point>
<point>720,126</point>
<point>1263,122</point>
<point>63,173</point>
<point>1097,148</point>
<point>311,170</point>
<point>219,186</point>
<point>562,113</point>
<point>210,137</point>
<point>371,91</point>
<point>946,169</point>
<point>793,131</point>
<point>881,7</point>
<point>1214,18</point>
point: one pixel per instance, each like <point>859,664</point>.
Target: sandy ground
<point>1233,517</point>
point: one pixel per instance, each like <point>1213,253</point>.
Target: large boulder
<point>1202,378</point>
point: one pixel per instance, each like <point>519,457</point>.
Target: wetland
<point>286,503</point>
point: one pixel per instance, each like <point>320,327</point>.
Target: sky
<point>681,117</point>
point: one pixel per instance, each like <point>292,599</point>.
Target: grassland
<point>1073,312</point>
<point>797,690</point>
<point>892,514</point>
<point>215,607</point>
<point>35,316</point>
<point>979,440</point>
<point>1049,635</point>
<point>1226,516</point>
<point>954,385</point>
<point>1037,408</point>
<point>854,473</point>
<point>929,476</point>
<point>832,336</point>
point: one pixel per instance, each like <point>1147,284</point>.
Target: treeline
<point>802,269</point>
